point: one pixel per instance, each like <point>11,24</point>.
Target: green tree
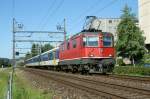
<point>5,62</point>
<point>35,49</point>
<point>28,55</point>
<point>130,41</point>
<point>46,47</point>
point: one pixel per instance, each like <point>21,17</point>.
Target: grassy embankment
<point>23,90</point>
<point>131,70</point>
<point>4,77</point>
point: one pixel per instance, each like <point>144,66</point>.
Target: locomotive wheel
<point>58,69</point>
<point>74,70</point>
<point>84,72</point>
<point>66,70</point>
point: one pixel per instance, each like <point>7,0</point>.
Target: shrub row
<point>131,70</point>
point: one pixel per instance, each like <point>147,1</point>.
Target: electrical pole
<point>64,29</point>
<point>14,61</point>
<point>18,30</point>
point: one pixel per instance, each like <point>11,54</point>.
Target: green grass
<point>4,77</point>
<point>131,70</point>
<point>23,90</point>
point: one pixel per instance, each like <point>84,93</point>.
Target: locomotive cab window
<point>68,45</point>
<point>74,43</point>
<point>90,41</point>
<point>107,41</point>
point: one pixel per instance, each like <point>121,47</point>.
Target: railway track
<point>133,78</point>
<point>105,89</point>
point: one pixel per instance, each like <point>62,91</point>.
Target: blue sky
<point>46,14</point>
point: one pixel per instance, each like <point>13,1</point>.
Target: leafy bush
<point>147,58</point>
<point>137,70</point>
<point>120,62</point>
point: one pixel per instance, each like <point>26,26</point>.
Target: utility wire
<point>48,12</point>
<point>79,18</point>
<point>100,10</point>
<point>52,14</point>
<point>88,9</point>
<point>106,6</point>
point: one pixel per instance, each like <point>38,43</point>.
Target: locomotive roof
<point>90,33</point>
<point>75,35</point>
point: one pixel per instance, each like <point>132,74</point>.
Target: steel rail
<point>135,78</point>
<point>79,86</point>
<point>100,83</point>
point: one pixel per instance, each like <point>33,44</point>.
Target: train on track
<point>85,52</point>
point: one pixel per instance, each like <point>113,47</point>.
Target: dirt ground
<point>58,90</point>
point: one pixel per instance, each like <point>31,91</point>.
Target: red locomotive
<point>90,52</point>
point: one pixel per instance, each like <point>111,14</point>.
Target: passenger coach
<point>47,59</point>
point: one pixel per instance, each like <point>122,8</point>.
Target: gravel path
<point>64,91</point>
<point>60,91</point>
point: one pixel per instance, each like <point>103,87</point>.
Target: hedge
<point>132,70</point>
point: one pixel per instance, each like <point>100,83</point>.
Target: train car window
<point>27,62</point>
<point>74,43</point>
<point>107,41</point>
<point>31,60</point>
<point>44,57</point>
<point>84,41</point>
<point>51,56</point>
<point>35,59</point>
<point>57,54</point>
<point>39,58</point>
<point>68,45</point>
<point>63,47</point>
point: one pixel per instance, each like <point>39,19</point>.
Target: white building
<point>106,25</point>
<point>144,18</point>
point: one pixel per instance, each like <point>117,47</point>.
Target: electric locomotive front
<point>91,52</point>
<point>98,52</point>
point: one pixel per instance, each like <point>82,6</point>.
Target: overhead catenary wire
<point>88,9</point>
<point>98,11</point>
<point>105,6</point>
<point>52,13</point>
<point>77,19</point>
<point>48,12</point>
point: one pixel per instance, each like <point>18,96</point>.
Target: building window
<point>110,21</point>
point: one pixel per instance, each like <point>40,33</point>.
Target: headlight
<point>91,55</point>
<point>110,55</point>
